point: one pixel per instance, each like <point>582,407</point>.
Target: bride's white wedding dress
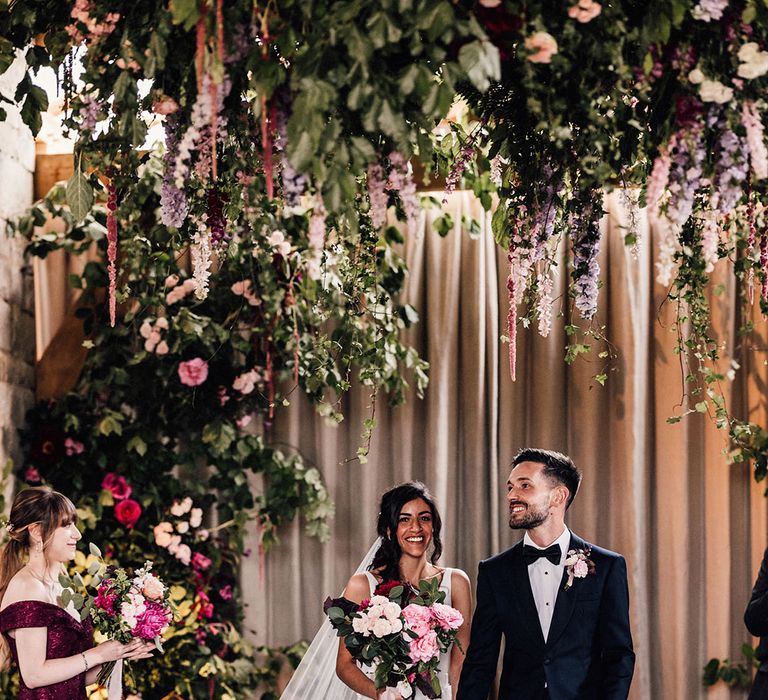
<point>445,660</point>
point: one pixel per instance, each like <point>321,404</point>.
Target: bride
<point>408,527</point>
<point>52,648</point>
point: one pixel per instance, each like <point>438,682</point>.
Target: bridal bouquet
<point>400,632</point>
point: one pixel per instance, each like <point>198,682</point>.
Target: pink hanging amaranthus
<point>512,314</point>
<point>112,249</point>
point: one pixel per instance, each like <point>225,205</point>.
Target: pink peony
<point>418,618</point>
<point>117,486</point>
<point>543,46</point>
<point>447,617</point>
<point>128,512</point>
<point>200,562</point>
<point>193,372</point>
<point>152,622</point>
<point>225,593</point>
<point>163,534</point>
<point>425,647</point>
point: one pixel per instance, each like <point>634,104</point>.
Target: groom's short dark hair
<point>557,466</point>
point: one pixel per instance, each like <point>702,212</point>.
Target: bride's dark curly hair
<point>386,561</point>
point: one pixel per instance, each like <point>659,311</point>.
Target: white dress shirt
<point>545,579</point>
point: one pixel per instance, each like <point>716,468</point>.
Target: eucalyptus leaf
<point>79,195</point>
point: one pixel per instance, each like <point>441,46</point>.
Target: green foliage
<point>732,674</point>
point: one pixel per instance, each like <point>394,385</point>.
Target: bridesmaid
<point>52,649</point>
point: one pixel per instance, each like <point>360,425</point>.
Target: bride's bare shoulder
<point>357,588</point>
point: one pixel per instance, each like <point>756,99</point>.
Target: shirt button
<point>546,573</point>
<point>547,603</point>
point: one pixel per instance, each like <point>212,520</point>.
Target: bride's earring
<point>39,547</point>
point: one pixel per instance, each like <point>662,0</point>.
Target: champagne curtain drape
<point>692,527</point>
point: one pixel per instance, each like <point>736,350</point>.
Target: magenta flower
<point>117,486</point>
<point>105,599</point>
<point>152,622</point>
<point>32,476</point>
<point>200,562</point>
<point>193,372</point>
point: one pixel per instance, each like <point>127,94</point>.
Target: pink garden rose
<point>193,372</point>
<point>542,45</point>
<point>152,623</point>
<point>580,569</point>
<point>585,10</point>
<point>117,486</point>
<point>128,512</point>
<point>447,617</point>
<point>418,618</point>
<point>424,648</point>
<point>73,447</point>
<point>153,588</point>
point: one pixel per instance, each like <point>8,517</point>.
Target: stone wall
<point>17,321</point>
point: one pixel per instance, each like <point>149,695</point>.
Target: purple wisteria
<point>584,223</point>
<point>731,171</point>
<point>173,200</point>
<point>377,195</point>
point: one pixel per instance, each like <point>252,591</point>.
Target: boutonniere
<point>578,565</point>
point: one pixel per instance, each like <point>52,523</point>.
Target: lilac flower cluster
<point>657,182</point>
<point>708,10</point>
<point>377,195</point>
<point>400,181</point>
<point>466,154</point>
<point>685,174</point>
<point>544,215</point>
<point>730,170</point>
<point>758,154</point>
<point>545,286</point>
<point>585,231</point>
<point>89,112</point>
<point>173,200</point>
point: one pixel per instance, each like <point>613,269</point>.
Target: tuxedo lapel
<point>566,600</point>
<point>523,595</point>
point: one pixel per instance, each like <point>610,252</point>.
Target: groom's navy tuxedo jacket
<point>588,653</point>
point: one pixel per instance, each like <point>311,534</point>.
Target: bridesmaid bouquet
<point>400,632</point>
<point>131,606</point>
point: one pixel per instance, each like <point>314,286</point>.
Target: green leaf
<point>34,105</point>
<point>481,62</point>
<point>701,407</point>
<point>185,12</point>
<point>137,444</point>
<point>79,195</point>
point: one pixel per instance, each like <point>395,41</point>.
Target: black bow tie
<point>531,554</point>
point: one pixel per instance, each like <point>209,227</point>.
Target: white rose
<point>196,517</point>
<point>186,505</point>
<point>754,62</point>
<point>381,627</point>
<point>375,611</point>
<point>392,611</point>
<point>360,625</point>
<point>695,76</point>
<point>715,91</point>
<point>379,600</point>
<point>396,625</point>
<point>182,527</point>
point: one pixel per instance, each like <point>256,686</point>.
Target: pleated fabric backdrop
<point>692,527</point>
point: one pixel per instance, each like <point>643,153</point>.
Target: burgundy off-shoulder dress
<point>66,637</point>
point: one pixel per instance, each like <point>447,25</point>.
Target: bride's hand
<point>136,649</point>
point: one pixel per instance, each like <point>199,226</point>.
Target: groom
<point>561,604</point>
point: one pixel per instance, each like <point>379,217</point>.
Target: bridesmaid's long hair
<point>41,505</point>
<point>386,561</point>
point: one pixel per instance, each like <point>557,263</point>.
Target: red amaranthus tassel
<point>200,35</point>
<point>764,272</point>
<point>112,249</point>
<point>512,318</point>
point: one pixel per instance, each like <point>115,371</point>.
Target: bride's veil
<point>315,678</point>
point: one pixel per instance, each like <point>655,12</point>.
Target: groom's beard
<point>531,517</point>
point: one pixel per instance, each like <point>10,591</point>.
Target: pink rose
<point>193,372</point>
<point>73,447</point>
<point>128,512</point>
<point>152,622</point>
<point>225,593</point>
<point>418,618</point>
<point>424,648</point>
<point>153,588</point>
<point>200,562</point>
<point>447,617</point>
<point>32,476</point>
<point>543,46</point>
<point>117,486</point>
<point>580,569</point>
<point>585,10</point>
